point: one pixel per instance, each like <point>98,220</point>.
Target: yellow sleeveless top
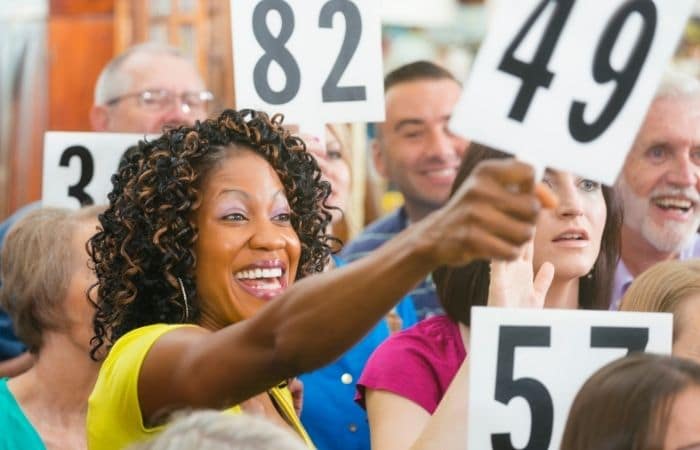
<point>114,418</point>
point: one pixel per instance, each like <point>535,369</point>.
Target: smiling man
<point>417,153</point>
<point>660,183</point>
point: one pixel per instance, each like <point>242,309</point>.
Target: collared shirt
<point>623,277</point>
<point>374,236</point>
<point>330,415</point>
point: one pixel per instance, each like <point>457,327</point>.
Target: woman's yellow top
<point>114,418</point>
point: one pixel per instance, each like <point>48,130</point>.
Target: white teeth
<point>674,203</point>
<point>442,172</point>
<point>253,274</point>
<point>570,236</point>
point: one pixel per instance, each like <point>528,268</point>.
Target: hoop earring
<point>184,297</point>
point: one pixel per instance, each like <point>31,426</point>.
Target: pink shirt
<point>418,363</point>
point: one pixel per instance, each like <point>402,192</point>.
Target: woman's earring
<point>184,297</point>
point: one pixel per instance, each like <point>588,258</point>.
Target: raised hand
<point>512,284</point>
<point>490,216</point>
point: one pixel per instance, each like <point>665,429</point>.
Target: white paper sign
<point>78,166</point>
<point>312,60</point>
<point>527,366</point>
<point>419,13</point>
<point>566,84</point>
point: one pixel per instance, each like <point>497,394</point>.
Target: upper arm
<point>394,421</point>
<point>193,367</point>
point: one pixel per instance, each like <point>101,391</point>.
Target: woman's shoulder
<point>142,337</point>
<point>437,334</point>
<point>417,363</point>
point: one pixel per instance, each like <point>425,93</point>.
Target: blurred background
<point>51,52</point>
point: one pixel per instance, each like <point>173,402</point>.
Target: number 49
<point>535,74</point>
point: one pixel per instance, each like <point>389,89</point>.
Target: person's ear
<point>99,118</point>
<point>378,158</point>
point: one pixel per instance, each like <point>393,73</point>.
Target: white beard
<point>672,236</point>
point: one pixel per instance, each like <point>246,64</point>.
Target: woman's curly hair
<point>148,233</point>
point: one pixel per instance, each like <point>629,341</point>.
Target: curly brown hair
<point>148,232</point>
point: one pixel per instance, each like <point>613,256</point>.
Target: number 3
<point>275,50</point>
<point>86,172</point>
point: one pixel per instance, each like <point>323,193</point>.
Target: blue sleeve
<point>10,346</point>
<point>407,311</point>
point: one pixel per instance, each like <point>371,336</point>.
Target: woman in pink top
<point>407,386</point>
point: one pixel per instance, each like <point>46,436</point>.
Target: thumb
<point>541,284</point>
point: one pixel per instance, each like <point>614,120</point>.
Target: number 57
<point>532,390</point>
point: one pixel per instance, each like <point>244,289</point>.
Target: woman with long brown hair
<point>568,264</point>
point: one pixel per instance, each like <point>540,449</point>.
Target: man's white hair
<point>678,84</point>
<point>114,82</point>
<point>214,430</point>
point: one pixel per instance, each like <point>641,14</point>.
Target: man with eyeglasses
<point>145,89</point>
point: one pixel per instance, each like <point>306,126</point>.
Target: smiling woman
<point>212,205</point>
<point>209,228</point>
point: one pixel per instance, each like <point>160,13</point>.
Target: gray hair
<point>38,260</point>
<point>678,84</point>
<point>113,82</point>
<point>214,430</point>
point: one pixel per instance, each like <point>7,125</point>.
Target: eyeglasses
<point>162,99</point>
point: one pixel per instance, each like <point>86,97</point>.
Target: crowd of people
<point>221,277</point>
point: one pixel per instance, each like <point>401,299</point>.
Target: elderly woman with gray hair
<point>44,290</point>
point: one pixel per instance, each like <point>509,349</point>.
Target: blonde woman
<point>674,287</point>
<point>45,277</point>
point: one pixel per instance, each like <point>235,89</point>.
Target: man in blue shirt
<point>417,153</point>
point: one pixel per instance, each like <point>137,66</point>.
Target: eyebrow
<point>281,192</point>
<point>416,121</point>
<point>407,122</point>
<point>247,196</point>
<point>234,191</point>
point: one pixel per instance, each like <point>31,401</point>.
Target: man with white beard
<point>660,184</point>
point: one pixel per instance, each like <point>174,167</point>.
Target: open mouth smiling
<point>679,204</point>
<point>263,279</point>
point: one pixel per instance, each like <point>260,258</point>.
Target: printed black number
<point>87,170</point>
<point>603,71</point>
<point>534,74</point>
<point>275,50</point>
<point>633,339</point>
<point>353,30</point>
<point>534,392</point>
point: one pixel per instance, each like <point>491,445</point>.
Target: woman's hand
<point>490,216</point>
<point>513,285</point>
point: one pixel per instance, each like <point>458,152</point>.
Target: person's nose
<point>570,202</point>
<point>441,143</point>
<point>684,173</point>
<point>267,236</point>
